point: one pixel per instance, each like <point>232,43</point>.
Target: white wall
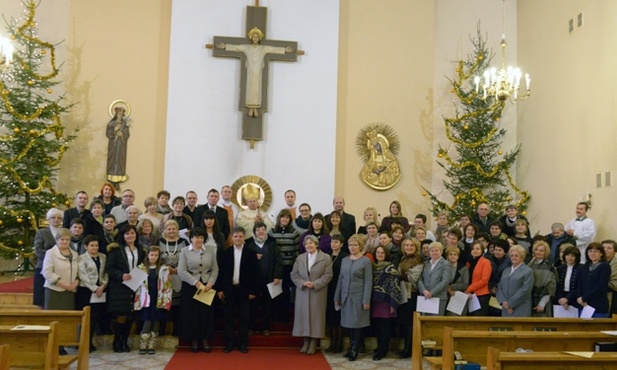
<point>204,148</point>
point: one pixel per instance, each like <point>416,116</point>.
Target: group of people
<point>336,279</point>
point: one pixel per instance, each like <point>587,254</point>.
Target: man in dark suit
<point>236,286</point>
<point>348,222</point>
<point>221,213</point>
<point>80,210</point>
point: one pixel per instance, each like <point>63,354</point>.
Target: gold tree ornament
<point>377,144</point>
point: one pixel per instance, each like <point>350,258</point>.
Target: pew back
<point>499,360</point>
<point>431,327</point>
<point>74,329</point>
<point>473,345</point>
<point>32,348</point>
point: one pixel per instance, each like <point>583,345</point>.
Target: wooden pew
<point>498,360</point>
<point>32,348</point>
<point>473,344</point>
<point>4,357</point>
<point>74,330</point>
<point>431,327</point>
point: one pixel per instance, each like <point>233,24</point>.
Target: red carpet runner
<point>257,358</point>
<point>18,286</point>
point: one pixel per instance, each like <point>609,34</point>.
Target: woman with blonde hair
<point>436,277</point>
<point>370,215</point>
<point>545,279</point>
<point>353,293</point>
<point>515,286</point>
<point>410,270</point>
<point>152,214</point>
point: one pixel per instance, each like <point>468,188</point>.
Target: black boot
<point>406,352</point>
<point>339,339</point>
<point>351,335</point>
<point>355,343</point>
<point>125,336</point>
<point>332,340</point>
<point>117,345</point>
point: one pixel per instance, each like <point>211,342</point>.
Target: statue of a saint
<point>255,54</point>
<point>118,134</point>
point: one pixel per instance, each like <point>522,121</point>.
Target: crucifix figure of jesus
<point>255,53</point>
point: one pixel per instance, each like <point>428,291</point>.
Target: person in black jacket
<point>121,259</point>
<point>236,286</point>
<point>270,271</point>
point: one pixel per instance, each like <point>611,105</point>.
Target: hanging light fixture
<point>6,51</point>
<point>504,83</point>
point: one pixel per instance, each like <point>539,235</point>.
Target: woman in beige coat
<point>311,274</point>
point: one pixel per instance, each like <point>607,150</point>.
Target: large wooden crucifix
<point>255,53</point>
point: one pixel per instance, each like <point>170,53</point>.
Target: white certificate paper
<point>275,290</point>
<point>428,305</point>
<point>473,304</point>
<point>96,299</point>
<point>457,303</point>
<point>587,312</point>
<point>137,278</point>
<point>559,311</point>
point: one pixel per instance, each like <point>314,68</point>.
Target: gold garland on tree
<point>54,128</point>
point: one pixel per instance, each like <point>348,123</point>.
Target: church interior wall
<point>567,127</point>
<point>120,50</point>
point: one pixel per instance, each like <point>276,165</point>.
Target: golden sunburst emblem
<point>252,186</point>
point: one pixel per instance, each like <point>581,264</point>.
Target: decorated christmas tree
<point>32,137</point>
<point>477,169</point>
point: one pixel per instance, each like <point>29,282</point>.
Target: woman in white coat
<point>311,274</point>
<point>93,280</point>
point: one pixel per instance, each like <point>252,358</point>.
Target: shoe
<point>152,343</point>
<point>62,351</point>
<point>207,347</point>
<point>244,349</point>
<point>403,354</point>
<point>228,349</point>
<point>194,346</point>
<point>353,355</point>
<point>312,346</point>
<point>266,333</point>
<point>305,345</point>
<point>347,354</point>
<point>143,345</point>
<point>92,348</point>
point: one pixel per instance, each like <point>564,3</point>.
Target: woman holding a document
<point>198,269</point>
<point>93,281</point>
<point>436,277</point>
<point>460,279</point>
<point>122,258</point>
<point>593,284</point>
<point>514,291</point>
<point>480,270</point>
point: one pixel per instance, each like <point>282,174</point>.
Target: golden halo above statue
<point>252,187</point>
<point>119,103</point>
